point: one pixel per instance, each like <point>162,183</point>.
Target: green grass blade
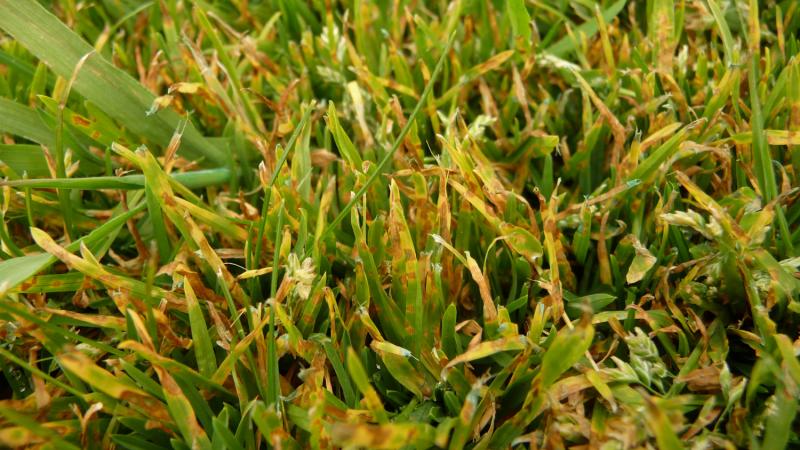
<point>111,89</point>
<point>566,44</point>
<point>17,270</point>
<point>396,145</point>
<point>191,180</point>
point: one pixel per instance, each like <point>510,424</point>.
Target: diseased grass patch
<point>283,224</point>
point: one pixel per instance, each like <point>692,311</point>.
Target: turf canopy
<point>251,224</point>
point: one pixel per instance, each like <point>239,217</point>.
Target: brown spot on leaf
<point>81,121</point>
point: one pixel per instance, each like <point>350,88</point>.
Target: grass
<point>238,224</point>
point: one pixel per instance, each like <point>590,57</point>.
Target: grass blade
<point>111,89</point>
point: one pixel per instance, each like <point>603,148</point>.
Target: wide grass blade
<point>111,89</point>
<point>17,270</point>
